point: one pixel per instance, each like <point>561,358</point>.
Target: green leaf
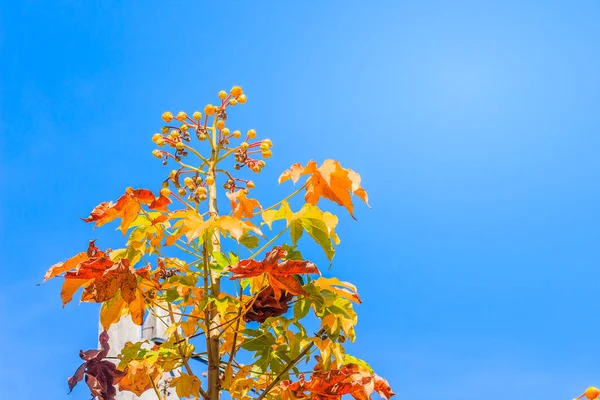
<point>296,230</point>
<point>292,252</point>
<point>318,231</point>
<point>172,295</point>
<point>249,241</point>
<point>221,259</point>
<point>301,308</point>
<point>260,343</point>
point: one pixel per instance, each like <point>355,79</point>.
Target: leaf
<point>111,311</point>
<point>241,205</point>
<point>186,385</point>
<point>141,374</point>
<point>342,289</point>
<point>279,273</point>
<point>284,212</point>
<point>329,180</point>
<point>193,226</point>
<point>266,305</point>
<point>318,224</point>
<point>349,378</point>
<point>127,208</point>
<point>100,375</point>
<point>301,308</point>
<point>249,241</point>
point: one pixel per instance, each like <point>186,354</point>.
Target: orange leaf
<point>279,273</point>
<point>329,180</point>
<point>127,208</point>
<point>138,378</point>
<point>349,379</point>
<point>241,205</point>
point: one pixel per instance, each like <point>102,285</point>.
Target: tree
<point>183,256</point>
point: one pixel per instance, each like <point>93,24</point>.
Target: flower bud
<point>236,91</point>
<point>197,115</point>
<point>181,116</point>
<point>237,134</point>
<point>251,133</point>
<point>241,99</point>
<point>222,94</point>
<point>167,116</point>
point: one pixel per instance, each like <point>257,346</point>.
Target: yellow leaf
<point>186,385</point>
<point>111,311</point>
<point>70,286</point>
<point>343,289</point>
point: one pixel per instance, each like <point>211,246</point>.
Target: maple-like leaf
<point>349,379</point>
<point>141,374</point>
<point>127,208</point>
<point>105,280</point>
<point>280,274</point>
<point>329,180</point>
<point>193,226</point>
<point>241,205</point>
<point>100,375</point>
<point>310,219</point>
<point>267,305</point>
<point>186,385</point>
<point>342,289</point>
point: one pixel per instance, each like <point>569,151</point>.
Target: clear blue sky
<point>475,126</point>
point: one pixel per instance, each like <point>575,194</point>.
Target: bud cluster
<point>178,137</point>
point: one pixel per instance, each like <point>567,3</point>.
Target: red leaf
<point>280,274</point>
<point>349,379</point>
<point>100,375</point>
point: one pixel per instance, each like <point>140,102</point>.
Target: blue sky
<point>475,127</point>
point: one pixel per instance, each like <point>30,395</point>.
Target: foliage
<point>257,322</point>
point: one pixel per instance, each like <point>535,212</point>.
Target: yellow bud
<point>181,116</point>
<point>241,99</point>
<point>225,131</point>
<point>164,129</point>
<point>251,133</point>
<point>233,102</point>
<point>261,164</point>
<point>222,94</point>
<point>160,142</point>
<point>179,146</point>
<point>174,133</point>
<point>182,192</point>
<point>197,115</point>
<point>264,146</point>
<point>184,127</point>
<point>250,185</point>
<point>202,136</point>
<point>236,91</point>
<point>267,154</point>
<point>188,181</point>
<point>157,153</point>
<point>167,116</point>
<point>165,192</point>
<point>244,145</point>
<point>156,136</point>
<point>268,142</point>
<point>210,180</point>
<point>172,173</point>
<point>210,109</point>
<point>220,124</point>
<point>237,134</point>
